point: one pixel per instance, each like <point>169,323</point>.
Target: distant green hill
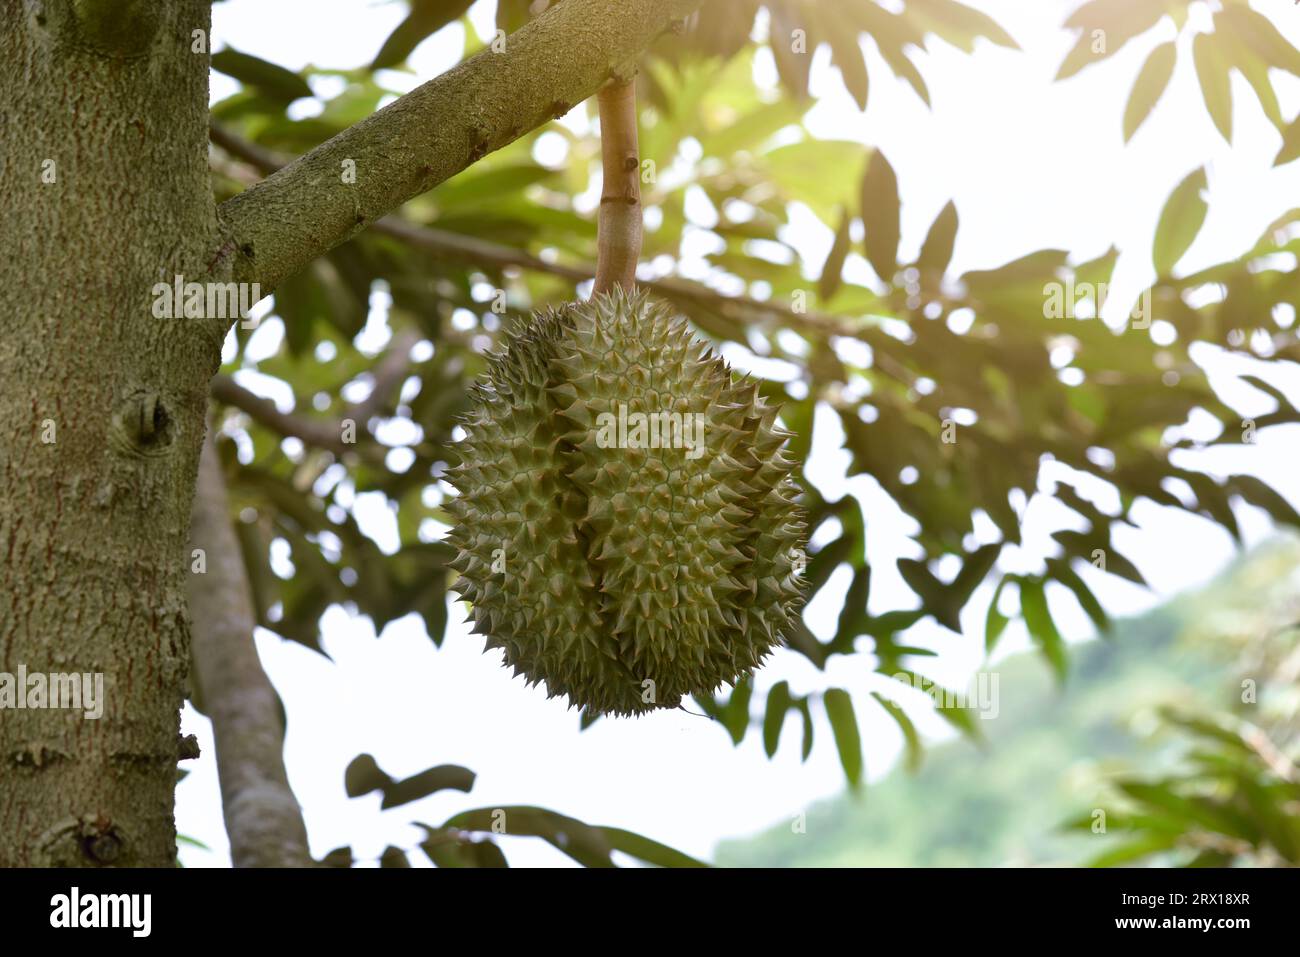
<point>1046,752</point>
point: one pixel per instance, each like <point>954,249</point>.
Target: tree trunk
<point>104,192</point>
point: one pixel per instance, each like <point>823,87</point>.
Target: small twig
<point>389,372</point>
<point>314,432</point>
<point>618,243</point>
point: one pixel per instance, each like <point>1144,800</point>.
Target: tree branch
<point>390,370</point>
<point>435,131</point>
<point>618,244</point>
<point>317,433</point>
<point>263,819</point>
<point>481,252</point>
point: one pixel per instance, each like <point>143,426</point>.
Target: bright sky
<point>1031,165</point>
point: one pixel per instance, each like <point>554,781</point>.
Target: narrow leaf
<point>644,849</point>
<point>844,725</point>
<point>267,78</point>
<point>427,17</point>
<point>936,252</point>
<point>881,216</point>
<point>444,777</point>
<point>1150,86</point>
<point>1180,221</point>
<point>1212,72</point>
<point>832,271</point>
<point>911,737</point>
<point>1038,618</point>
<point>778,705</point>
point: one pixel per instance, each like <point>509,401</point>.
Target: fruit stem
<point>618,241</point>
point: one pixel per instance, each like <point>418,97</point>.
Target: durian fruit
<point>625,563</point>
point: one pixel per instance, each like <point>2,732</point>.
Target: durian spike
<point>618,238</point>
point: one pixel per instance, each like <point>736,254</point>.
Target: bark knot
<point>143,426</point>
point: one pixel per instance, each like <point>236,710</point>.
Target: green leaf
<point>1180,221</point>
<point>806,711</point>
<point>393,857</point>
<point>1241,55</point>
<point>1150,86</point>
<point>644,849</point>
<point>299,301</point>
<point>995,623</point>
<point>1135,850</point>
<point>427,17</point>
<point>1105,26</point>
<point>791,67</point>
<point>936,252</point>
<point>269,79</point>
<point>1290,144</point>
<point>450,848</point>
<point>833,270</point>
<point>363,775</point>
<point>1216,89</point>
<point>778,705</point>
<point>735,714</point>
<point>1060,569</point>
<point>1257,31</point>
<point>914,749</point>
<point>585,844</point>
<point>846,53</point>
<point>881,210</point>
<point>442,778</point>
<point>959,24</point>
<point>1195,810</point>
<point>1038,618</point>
<point>844,725</point>
<point>512,14</point>
<point>339,857</point>
<point>1262,495</point>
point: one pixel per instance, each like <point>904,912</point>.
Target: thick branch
<point>619,236</point>
<point>263,819</point>
<point>483,253</point>
<point>435,131</point>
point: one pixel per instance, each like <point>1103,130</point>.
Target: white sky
<point>1031,165</point>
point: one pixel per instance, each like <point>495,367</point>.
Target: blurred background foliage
<point>952,391</point>
<point>1152,757</point>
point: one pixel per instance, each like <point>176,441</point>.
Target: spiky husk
<point>625,578</point>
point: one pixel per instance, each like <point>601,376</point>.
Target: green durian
<point>625,557</point>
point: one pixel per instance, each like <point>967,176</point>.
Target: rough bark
<point>435,131</point>
<point>263,819</point>
<point>104,192</point>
